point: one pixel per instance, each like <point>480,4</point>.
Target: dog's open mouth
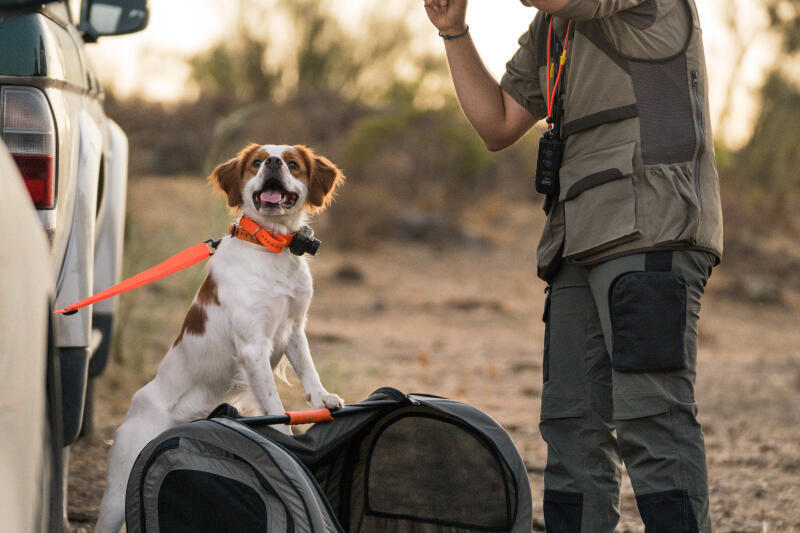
<point>273,195</point>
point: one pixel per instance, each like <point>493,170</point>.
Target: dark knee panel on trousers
<point>667,512</point>
<point>562,511</point>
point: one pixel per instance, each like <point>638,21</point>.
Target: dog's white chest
<point>250,276</point>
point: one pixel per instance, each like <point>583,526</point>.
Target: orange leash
<point>246,230</point>
<point>182,260</point>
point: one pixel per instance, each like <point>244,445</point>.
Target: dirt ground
<point>466,323</point>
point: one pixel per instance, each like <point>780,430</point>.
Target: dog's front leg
<point>254,358</point>
<point>299,355</point>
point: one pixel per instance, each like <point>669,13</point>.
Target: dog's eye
<point>256,162</point>
<point>292,165</point>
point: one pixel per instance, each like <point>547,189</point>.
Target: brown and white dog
<point>249,312</point>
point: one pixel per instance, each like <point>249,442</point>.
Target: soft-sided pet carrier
<point>394,463</point>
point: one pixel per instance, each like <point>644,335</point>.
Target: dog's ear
<point>228,175</point>
<point>324,178</point>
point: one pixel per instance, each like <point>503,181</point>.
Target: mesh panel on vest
<point>665,111</point>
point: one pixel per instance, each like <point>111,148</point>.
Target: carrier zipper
<point>393,393</point>
<point>413,400</point>
<point>702,141</point>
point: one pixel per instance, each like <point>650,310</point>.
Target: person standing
<point>634,227</point>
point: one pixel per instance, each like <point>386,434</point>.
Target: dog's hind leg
<point>144,421</point>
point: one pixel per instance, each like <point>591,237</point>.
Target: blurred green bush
<point>430,158</point>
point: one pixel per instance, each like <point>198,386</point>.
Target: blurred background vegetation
<point>386,113</point>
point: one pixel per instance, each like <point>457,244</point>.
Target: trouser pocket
<point>648,322</point>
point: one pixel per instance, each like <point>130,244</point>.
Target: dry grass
<point>465,323</point>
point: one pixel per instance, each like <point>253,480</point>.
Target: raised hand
<point>448,16</point>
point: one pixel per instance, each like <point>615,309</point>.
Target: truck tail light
<point>29,133</point>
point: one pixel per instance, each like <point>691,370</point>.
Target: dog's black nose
<point>274,163</point>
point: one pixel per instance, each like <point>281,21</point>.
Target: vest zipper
<point>701,131</point>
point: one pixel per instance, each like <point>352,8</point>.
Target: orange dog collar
<point>299,243</point>
<point>249,231</point>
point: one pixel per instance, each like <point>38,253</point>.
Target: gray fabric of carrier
<point>395,464</point>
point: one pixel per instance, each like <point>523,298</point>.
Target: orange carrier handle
<point>309,417</point>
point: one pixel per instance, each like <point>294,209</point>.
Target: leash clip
<point>212,245</point>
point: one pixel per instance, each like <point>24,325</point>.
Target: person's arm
<point>496,116</point>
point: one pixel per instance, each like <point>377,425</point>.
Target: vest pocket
<point>597,190</point>
<point>668,206</point>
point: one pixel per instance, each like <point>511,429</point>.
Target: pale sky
<point>150,62</point>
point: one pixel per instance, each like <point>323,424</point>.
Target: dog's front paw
<point>324,399</point>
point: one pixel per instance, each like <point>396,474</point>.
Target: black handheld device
<point>549,161</point>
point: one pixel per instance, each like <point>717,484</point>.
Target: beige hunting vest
<point>638,171</point>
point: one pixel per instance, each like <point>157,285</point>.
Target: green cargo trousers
<point>619,370</point>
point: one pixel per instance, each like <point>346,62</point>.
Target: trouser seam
<point>684,484</point>
<point>682,470</point>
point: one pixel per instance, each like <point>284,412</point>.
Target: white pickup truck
<point>73,160</point>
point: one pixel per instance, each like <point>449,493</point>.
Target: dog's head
<point>277,184</point>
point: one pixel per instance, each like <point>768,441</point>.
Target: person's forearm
<point>478,92</point>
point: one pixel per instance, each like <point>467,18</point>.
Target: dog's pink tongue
<point>272,197</point>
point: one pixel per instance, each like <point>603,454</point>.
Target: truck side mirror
<point>112,17</point>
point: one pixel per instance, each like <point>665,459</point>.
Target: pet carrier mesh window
<point>429,468</point>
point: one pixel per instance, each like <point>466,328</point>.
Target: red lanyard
<point>551,95</point>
